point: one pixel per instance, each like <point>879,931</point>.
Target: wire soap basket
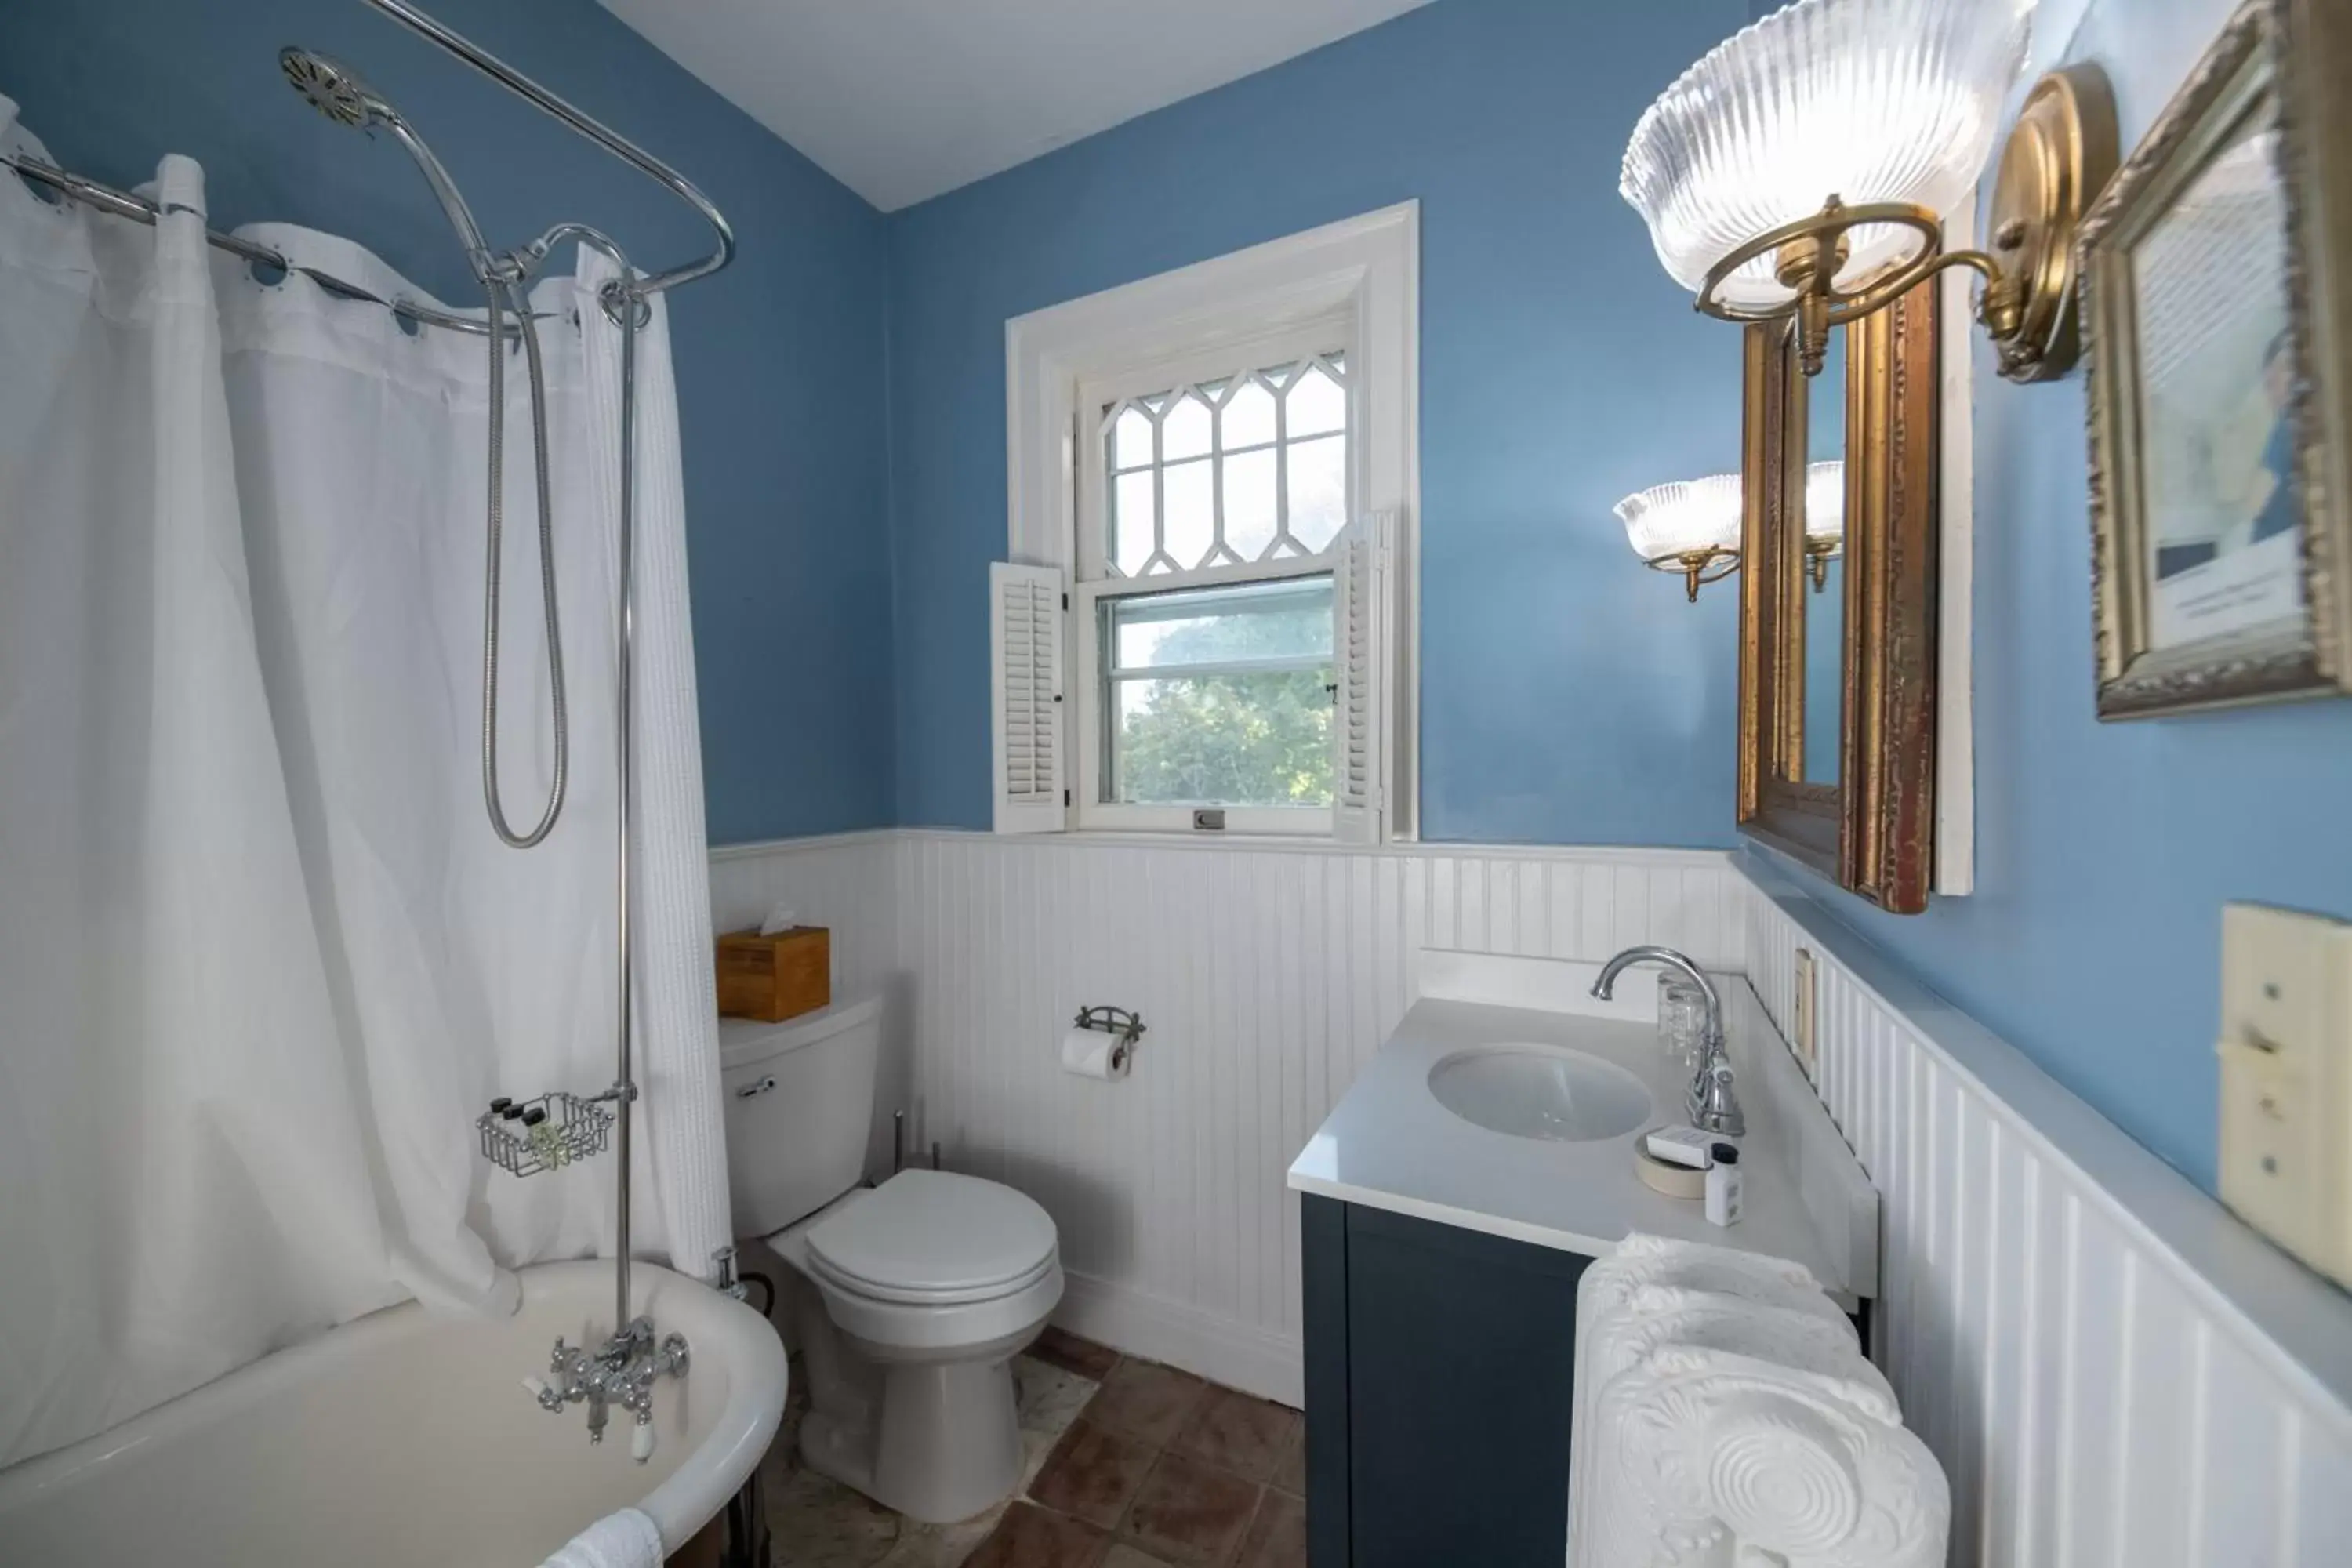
<point>528,1136</point>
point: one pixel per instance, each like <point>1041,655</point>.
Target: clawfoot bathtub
<point>405,1440</point>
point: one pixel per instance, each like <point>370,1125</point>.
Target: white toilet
<point>908,1301</point>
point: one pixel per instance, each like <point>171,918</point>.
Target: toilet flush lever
<point>750,1089</point>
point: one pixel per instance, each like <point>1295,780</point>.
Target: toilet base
<point>945,1443</point>
<point>929,1431</point>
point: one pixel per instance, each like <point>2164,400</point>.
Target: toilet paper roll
<point>1093,1053</point>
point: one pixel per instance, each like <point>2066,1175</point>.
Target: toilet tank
<point>800,1104</point>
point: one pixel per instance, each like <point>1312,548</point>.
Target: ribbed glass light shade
<point>1683,518</point>
<point>1870,100</point>
<point>1825,501</point>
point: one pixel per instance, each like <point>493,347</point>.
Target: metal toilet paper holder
<point>1127,1026</point>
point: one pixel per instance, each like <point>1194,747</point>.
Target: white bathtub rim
<point>680,1506</point>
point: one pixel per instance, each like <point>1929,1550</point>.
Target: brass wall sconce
<point>1693,526</point>
<point>1824,520</point>
<point>1744,167</point>
<point>1690,526</point>
<point>1700,567</point>
<point>1818,556</point>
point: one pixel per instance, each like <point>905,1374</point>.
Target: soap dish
<point>1666,1176</point>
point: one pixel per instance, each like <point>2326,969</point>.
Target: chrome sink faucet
<point>622,1373</point>
<point>1712,1105</point>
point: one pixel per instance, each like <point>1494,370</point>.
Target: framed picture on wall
<point>2216,266</point>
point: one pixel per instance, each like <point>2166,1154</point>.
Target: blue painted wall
<point>779,360</point>
<point>1569,694</point>
<point>2105,851</point>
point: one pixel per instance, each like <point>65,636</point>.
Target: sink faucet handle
<point>1714,1106</point>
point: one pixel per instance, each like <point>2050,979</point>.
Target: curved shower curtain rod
<point>595,130</point>
<point>140,209</point>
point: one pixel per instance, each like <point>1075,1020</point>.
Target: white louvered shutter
<point>1025,660</point>
<point>1358,579</point>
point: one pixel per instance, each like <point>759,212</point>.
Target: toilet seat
<point>934,1238</point>
<point>901,1295</point>
<point>931,1263</point>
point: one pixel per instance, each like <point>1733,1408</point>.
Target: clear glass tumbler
<point>1682,1023</point>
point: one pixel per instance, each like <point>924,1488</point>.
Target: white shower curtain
<point>261,959</point>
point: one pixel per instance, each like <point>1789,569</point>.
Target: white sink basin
<point>1541,1091</point>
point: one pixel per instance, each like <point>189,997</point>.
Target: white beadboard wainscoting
<point>2114,1371</point>
<point>845,882</point>
<point>1265,975</point>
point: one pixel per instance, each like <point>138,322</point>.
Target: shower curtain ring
<point>611,295</point>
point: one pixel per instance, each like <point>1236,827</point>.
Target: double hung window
<point>1206,632</point>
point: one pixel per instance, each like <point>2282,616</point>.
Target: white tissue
<point>1096,1053</point>
<point>781,918</point>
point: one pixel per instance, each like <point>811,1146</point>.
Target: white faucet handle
<point>641,1441</point>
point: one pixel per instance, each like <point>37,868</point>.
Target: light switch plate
<point>2286,1051</point>
<point>1808,1016</point>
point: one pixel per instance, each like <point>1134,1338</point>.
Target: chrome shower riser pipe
<point>622,302</point>
<point>625,719</point>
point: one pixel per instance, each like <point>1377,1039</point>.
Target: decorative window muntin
<point>1241,469</point>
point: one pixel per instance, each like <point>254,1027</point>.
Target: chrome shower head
<point>335,89</point>
<point>343,96</point>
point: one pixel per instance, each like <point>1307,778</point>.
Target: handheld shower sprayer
<point>343,96</point>
<point>340,93</point>
<point>333,89</point>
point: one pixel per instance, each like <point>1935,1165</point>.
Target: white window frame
<point>1333,332</point>
<point>1088,811</point>
<point>1354,284</point>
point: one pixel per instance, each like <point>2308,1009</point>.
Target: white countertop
<point>1389,1143</point>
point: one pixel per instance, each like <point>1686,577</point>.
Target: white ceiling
<point>900,100</point>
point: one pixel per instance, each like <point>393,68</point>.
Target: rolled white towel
<point>628,1538</point>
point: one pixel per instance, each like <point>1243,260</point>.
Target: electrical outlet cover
<point>2286,1051</point>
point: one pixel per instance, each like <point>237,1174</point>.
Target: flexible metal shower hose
<point>501,303</point>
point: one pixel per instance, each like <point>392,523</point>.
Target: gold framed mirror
<point>1837,645</point>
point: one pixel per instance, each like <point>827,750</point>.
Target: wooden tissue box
<point>772,978</point>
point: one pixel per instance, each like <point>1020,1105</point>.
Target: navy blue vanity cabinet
<point>1439,1362</point>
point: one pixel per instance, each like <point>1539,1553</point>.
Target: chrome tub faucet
<point>622,1373</point>
<point>1711,1104</point>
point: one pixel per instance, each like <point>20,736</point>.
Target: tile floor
<point>1130,1465</point>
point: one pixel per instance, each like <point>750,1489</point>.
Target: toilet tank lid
<point>747,1042</point>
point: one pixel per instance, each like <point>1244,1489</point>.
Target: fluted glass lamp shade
<point>1691,526</point>
<point>1824,508</point>
<point>1868,101</point>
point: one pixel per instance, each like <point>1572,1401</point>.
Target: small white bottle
<point>1724,1181</point>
